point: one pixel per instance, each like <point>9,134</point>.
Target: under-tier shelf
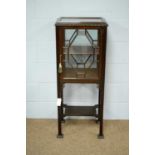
<point>80,110</point>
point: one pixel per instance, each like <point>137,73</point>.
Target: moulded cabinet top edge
<point>80,21</point>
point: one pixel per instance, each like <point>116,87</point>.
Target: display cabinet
<point>81,51</point>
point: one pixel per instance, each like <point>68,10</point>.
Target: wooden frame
<point>64,77</point>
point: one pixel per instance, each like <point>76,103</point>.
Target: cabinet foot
<point>100,136</point>
<point>63,120</point>
<point>60,136</point>
<point>97,121</point>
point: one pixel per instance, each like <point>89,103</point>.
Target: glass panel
<point>81,53</point>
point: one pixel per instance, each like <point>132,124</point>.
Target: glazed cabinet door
<point>80,54</point>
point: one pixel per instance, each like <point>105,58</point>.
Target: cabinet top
<point>80,21</point>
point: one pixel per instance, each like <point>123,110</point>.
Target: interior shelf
<point>81,50</point>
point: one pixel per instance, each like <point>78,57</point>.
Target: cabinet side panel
<point>59,47</point>
<point>57,58</point>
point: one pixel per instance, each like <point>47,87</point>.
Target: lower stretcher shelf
<point>81,110</point>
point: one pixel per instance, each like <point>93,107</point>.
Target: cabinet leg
<point>60,113</point>
<point>62,104</point>
<point>100,135</point>
<point>98,119</point>
<point>59,135</point>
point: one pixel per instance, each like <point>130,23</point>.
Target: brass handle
<point>60,66</point>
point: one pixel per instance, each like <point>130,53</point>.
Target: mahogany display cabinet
<point>81,57</point>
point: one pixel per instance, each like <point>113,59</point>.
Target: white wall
<point>41,57</point>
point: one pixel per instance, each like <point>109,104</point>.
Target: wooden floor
<point>80,138</point>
